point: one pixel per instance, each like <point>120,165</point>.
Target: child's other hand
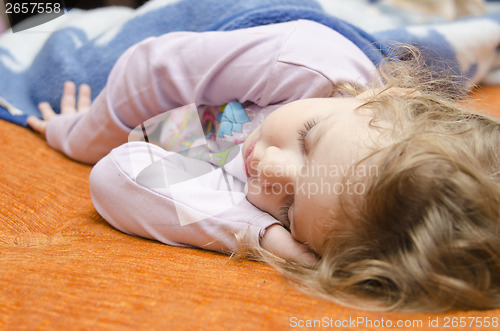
<point>69,105</point>
<point>280,242</point>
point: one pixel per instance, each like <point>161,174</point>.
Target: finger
<point>307,258</point>
<point>84,95</point>
<point>46,110</point>
<point>37,124</point>
<point>281,243</point>
<point>68,100</point>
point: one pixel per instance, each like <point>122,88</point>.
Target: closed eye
<point>308,125</point>
<point>283,214</point>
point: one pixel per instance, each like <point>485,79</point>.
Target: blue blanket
<point>82,46</point>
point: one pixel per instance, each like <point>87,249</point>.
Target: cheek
<point>260,197</point>
<point>305,232</point>
<point>280,124</point>
<point>254,193</point>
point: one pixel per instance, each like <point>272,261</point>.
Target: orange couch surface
<point>63,267</point>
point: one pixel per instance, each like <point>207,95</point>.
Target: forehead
<point>345,136</point>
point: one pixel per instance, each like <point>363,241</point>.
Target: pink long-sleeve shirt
<point>260,68</point>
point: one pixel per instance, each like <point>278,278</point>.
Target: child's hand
<point>69,105</point>
<point>280,242</point>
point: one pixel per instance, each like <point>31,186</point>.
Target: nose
<point>278,167</point>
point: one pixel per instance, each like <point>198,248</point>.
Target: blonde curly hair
<point>426,234</point>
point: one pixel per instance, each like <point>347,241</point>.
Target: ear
<point>391,91</point>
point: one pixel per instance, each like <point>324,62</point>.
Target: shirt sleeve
<point>173,70</point>
<point>264,66</point>
<point>144,190</point>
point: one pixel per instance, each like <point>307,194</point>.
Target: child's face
<point>297,159</point>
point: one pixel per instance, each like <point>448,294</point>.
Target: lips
<point>247,156</point>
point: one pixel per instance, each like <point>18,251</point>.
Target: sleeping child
<point>370,186</point>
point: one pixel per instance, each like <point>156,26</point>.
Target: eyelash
<point>308,125</point>
<point>284,212</point>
